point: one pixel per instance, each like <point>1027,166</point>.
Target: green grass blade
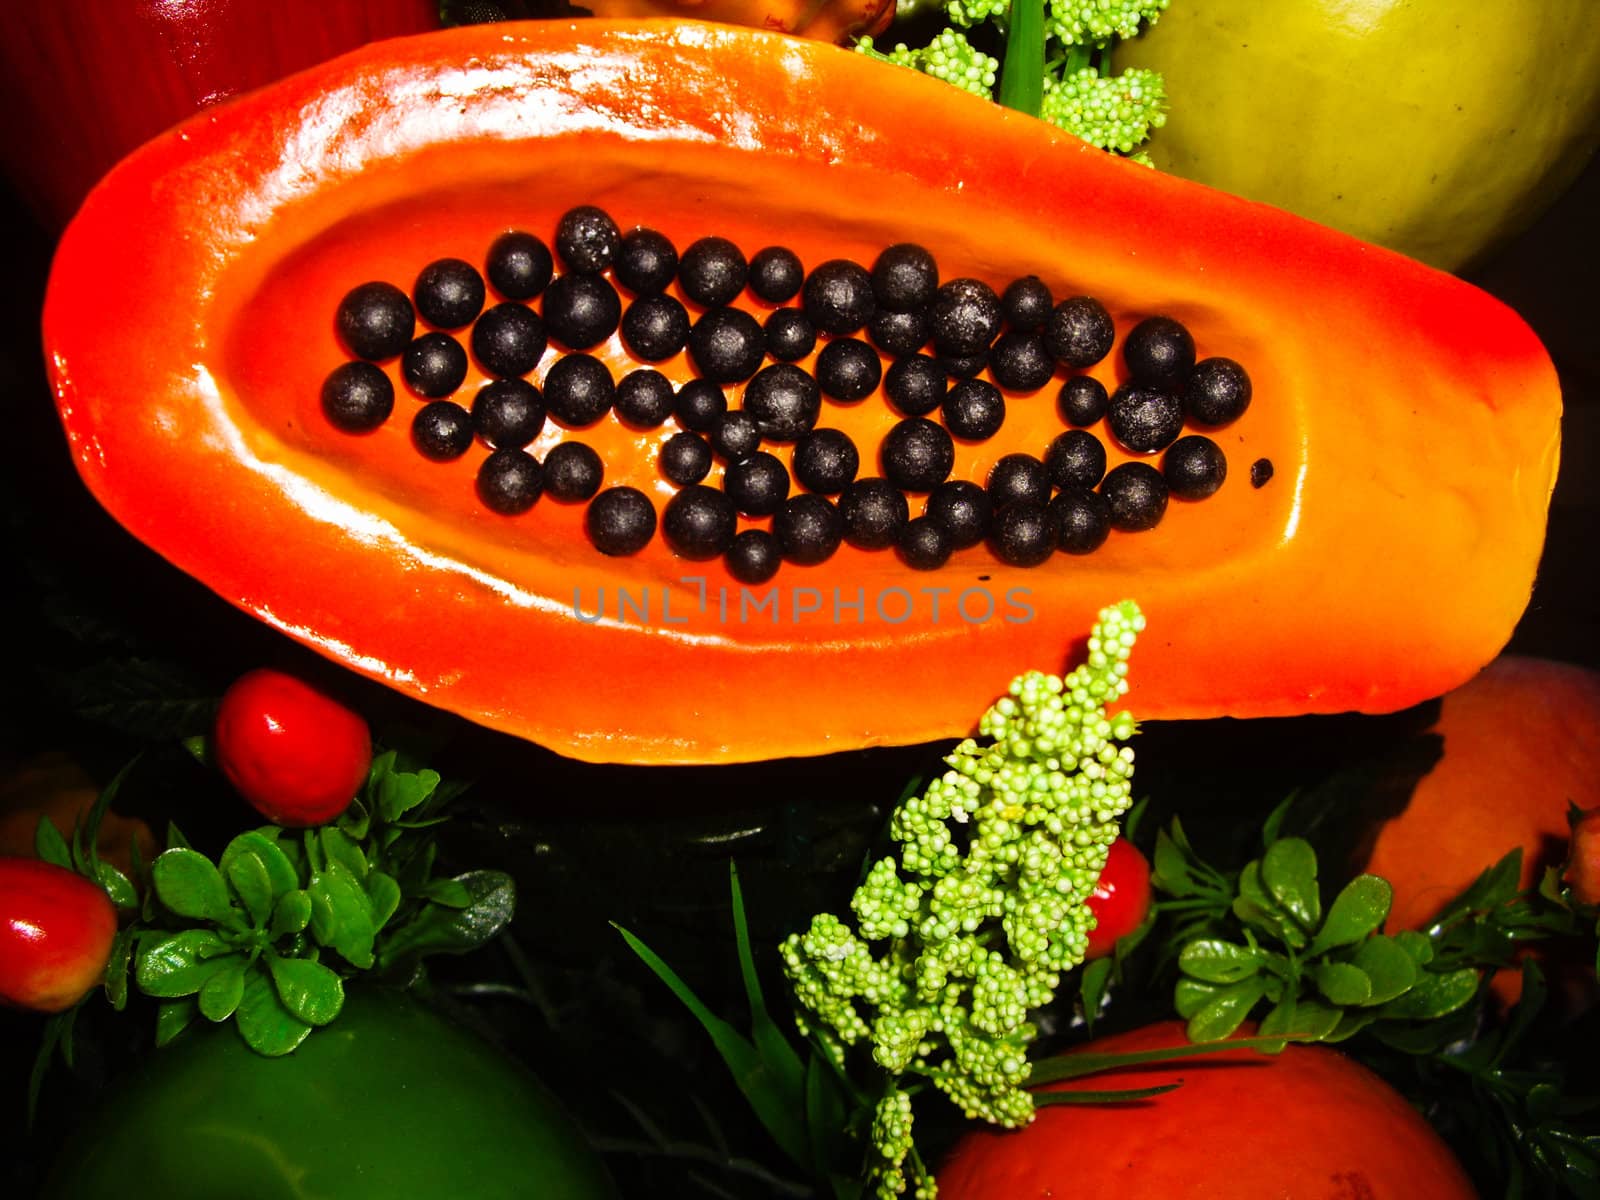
<point>776,1050</point>
<point>1022,72</point>
<point>1115,1096</point>
<point>1076,1066</point>
<point>782,1113</point>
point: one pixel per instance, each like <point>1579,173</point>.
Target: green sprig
<point>962,936</point>
<point>267,934</point>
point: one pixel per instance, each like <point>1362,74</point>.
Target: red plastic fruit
<point>1121,900</point>
<point>1309,1124</point>
<point>56,929</point>
<point>138,66</point>
<point>294,752</point>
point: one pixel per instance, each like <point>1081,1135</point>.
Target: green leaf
<point>220,995</point>
<point>1351,1022</point>
<point>1172,864</point>
<point>447,892</point>
<point>173,1017</point>
<point>188,885</point>
<point>1491,889</point>
<point>1434,995</point>
<point>54,1027</point>
<point>398,792</point>
<point>1079,1064</point>
<point>1418,946</point>
<point>291,914</point>
<point>1101,1096</point>
<point>1289,873</point>
<point>282,874</point>
<point>1190,996</point>
<point>116,976</point>
<point>199,748</point>
<point>117,885</point>
<point>1226,1010</point>
<point>384,895</point>
<point>341,915</point>
<point>49,845</point>
<point>149,699</point>
<point>1535,993</point>
<point>1255,906</point>
<point>1213,960</point>
<point>309,990</point>
<point>1303,1018</point>
<point>1388,966</point>
<point>1343,983</point>
<point>1092,988</point>
<point>179,963</point>
<point>772,1102</point>
<point>355,821</point>
<point>826,1116</point>
<point>267,1026</point>
<point>1272,827</point>
<point>1360,907</point>
<point>341,849</point>
<point>439,930</point>
<point>251,883</point>
<point>779,1056</point>
<point>1022,72</point>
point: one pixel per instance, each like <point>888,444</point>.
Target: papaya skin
<point>1436,128</point>
<point>1412,420</point>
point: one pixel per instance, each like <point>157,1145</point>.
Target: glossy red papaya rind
<point>1412,420</point>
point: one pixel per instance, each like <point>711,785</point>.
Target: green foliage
<point>801,1103</point>
<point>1411,1003</point>
<point>812,1104</point>
<point>950,56</point>
<point>267,934</point>
<point>1057,63</point>
<point>1522,1108</point>
<point>1262,939</point>
<point>958,940</point>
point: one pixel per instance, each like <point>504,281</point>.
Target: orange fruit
<point>1307,1124</point>
<point>1521,743</point>
<point>53,785</point>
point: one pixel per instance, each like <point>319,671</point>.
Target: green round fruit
<point>1435,127</point>
<point>389,1100</point>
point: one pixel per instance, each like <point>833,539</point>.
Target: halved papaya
<point>1410,420</point>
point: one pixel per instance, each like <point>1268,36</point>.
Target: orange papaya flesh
<point>1412,421</point>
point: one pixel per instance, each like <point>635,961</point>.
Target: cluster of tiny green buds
<point>1096,22</point>
<point>949,57</point>
<point>969,931</point>
<point>1113,112</point>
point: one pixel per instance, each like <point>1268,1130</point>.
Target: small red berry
<point>56,930</point>
<point>1121,899</point>
<point>295,753</point>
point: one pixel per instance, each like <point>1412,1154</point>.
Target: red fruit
<point>56,929</point>
<point>138,66</point>
<point>295,753</point>
<point>1121,899</point>
<point>1307,1124</point>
